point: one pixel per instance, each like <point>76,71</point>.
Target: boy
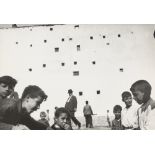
<point>129,116</point>
<point>60,120</point>
<point>116,123</point>
<point>14,114</point>
<point>108,119</point>
<point>7,85</point>
<point>141,91</point>
<point>43,119</point>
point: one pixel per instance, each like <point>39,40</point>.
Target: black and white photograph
<point>77,77</point>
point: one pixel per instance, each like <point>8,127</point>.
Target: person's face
<point>138,96</point>
<point>61,120</point>
<point>117,114</point>
<point>32,104</point>
<point>128,101</point>
<point>5,90</point>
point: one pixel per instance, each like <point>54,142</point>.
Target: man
<point>7,85</point>
<point>87,111</point>
<point>129,116</point>
<point>141,91</point>
<point>71,106</point>
<point>15,114</point>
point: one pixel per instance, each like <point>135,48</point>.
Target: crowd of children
<point>15,112</point>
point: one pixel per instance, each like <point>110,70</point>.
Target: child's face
<point>5,90</point>
<point>128,101</point>
<point>61,120</point>
<point>117,114</point>
<point>138,96</point>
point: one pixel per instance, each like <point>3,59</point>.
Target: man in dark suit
<point>71,106</point>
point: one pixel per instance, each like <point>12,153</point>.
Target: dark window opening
<point>80,93</point>
<point>104,37</point>
<point>108,43</point>
<point>44,65</point>
<point>78,47</point>
<point>51,29</point>
<point>16,42</point>
<point>45,41</point>
<point>76,73</point>
<point>62,64</point>
<point>98,92</point>
<point>119,35</point>
<point>121,69</point>
<point>30,45</point>
<point>56,49</point>
<point>76,26</point>
<point>93,62</point>
<point>75,62</point>
<point>62,39</point>
<point>70,39</point>
<point>91,37</point>
<point>30,69</point>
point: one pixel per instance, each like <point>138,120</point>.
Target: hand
<point>67,127</point>
<point>20,127</point>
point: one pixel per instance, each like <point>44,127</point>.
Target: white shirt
<point>129,117</point>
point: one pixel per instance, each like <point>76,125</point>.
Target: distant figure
<point>129,115</point>
<point>71,106</point>
<point>60,120</point>
<point>43,119</point>
<point>108,119</point>
<point>87,111</point>
<point>47,117</point>
<point>141,91</point>
<point>116,123</point>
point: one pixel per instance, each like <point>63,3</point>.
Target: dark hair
<point>117,108</point>
<point>143,86</point>
<point>86,102</point>
<point>43,113</point>
<point>126,94</point>
<point>33,92</point>
<point>8,80</point>
<point>70,91</point>
<point>61,110</point>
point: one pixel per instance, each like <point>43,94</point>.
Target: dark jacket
<point>71,105</point>
<point>11,114</point>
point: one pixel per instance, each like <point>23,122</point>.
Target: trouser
<point>74,119</point>
<point>89,122</point>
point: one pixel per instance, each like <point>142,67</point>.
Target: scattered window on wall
<point>62,39</point>
<point>91,37</point>
<point>80,93</point>
<point>57,49</point>
<point>104,37</point>
<point>121,69</point>
<point>51,29</point>
<point>75,73</point>
<point>75,62</point>
<point>70,39</point>
<point>30,69</point>
<point>93,62</point>
<point>119,35</point>
<point>78,47</point>
<point>17,42</point>
<point>108,43</point>
<point>44,65</point>
<point>76,26</point>
<point>45,41</point>
<point>30,45</point>
<point>62,64</point>
<point>98,92</point>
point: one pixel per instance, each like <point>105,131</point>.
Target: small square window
<point>70,39</point>
<point>75,62</point>
<point>98,92</point>
<point>56,49</point>
<point>45,41</point>
<point>16,42</point>
<point>30,45</point>
<point>51,29</point>
<point>91,37</point>
<point>78,47</point>
<point>76,26</point>
<point>121,69</point>
<point>104,37</point>
<point>93,62</point>
<point>76,73</point>
<point>119,35</point>
<point>44,65</point>
<point>62,64</point>
<point>108,43</point>
<point>30,69</point>
<point>62,39</point>
<point>80,93</point>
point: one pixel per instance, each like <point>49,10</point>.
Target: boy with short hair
<point>116,123</point>
<point>60,120</point>
<point>141,91</point>
<point>129,116</point>
<point>15,112</point>
<point>43,118</point>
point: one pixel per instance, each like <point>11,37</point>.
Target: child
<point>129,116</point>
<point>108,119</point>
<point>116,123</point>
<point>43,119</point>
<point>60,120</point>
<point>141,91</point>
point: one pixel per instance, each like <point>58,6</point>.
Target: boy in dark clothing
<point>116,123</point>
<point>60,120</point>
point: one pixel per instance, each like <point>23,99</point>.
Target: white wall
<point>133,51</point>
